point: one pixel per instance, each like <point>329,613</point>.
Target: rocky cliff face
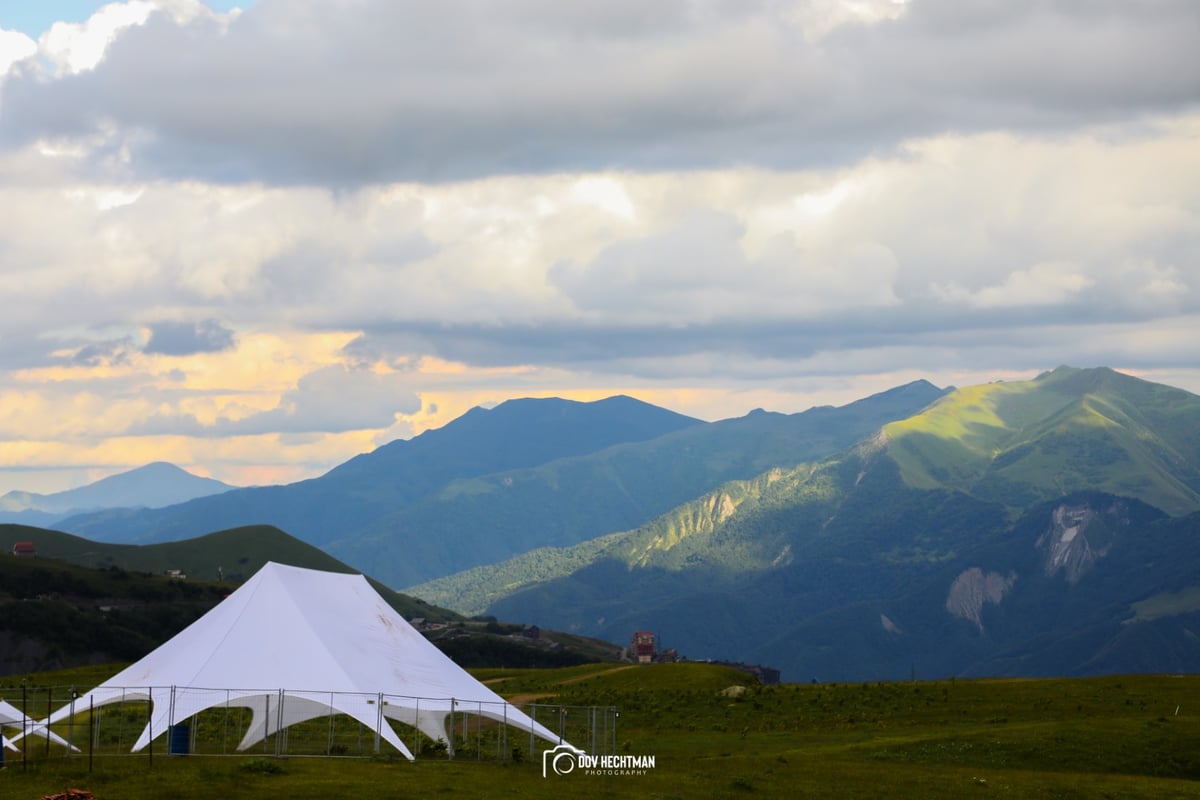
<point>1078,535</point>
<point>1067,546</point>
<point>973,589</point>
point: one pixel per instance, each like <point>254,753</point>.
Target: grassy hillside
<point>232,555</point>
<point>856,566</point>
<point>54,614</point>
<point>1066,430</point>
<point>1121,737</point>
<point>683,538</point>
<point>119,604</point>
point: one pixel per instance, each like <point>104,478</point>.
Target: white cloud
<point>14,46</point>
<point>378,91</point>
<point>419,206</point>
<point>72,48</point>
<point>1043,284</point>
<point>75,47</point>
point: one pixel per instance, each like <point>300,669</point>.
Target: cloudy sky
<point>256,241</point>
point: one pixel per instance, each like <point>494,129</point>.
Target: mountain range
<point>528,473</point>
<point>152,486</point>
<point>1047,526</point>
<point>975,537</point>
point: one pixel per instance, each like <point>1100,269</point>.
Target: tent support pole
<point>70,725</point>
<point>170,721</point>
<point>279,725</point>
<point>121,724</point>
<point>150,724</point>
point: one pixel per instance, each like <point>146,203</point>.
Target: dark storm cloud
<point>340,92</point>
<point>188,338</point>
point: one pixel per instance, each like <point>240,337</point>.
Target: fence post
<point>450,744</point>
<point>378,721</point>
<point>225,730</point>
<point>24,726</point>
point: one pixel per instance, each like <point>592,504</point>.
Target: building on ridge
<point>643,647</point>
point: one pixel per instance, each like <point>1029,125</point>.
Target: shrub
<point>261,766</point>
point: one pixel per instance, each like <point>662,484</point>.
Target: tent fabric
<point>13,717</point>
<point>292,644</point>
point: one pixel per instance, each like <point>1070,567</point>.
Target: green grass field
<point>1109,737</point>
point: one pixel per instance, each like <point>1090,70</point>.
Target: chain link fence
<point>474,730</point>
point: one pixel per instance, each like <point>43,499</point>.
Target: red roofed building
<point>643,647</point>
<point>24,549</point>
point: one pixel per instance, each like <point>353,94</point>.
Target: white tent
<point>294,644</point>
<point>12,717</point>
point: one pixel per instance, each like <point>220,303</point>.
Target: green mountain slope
<point>811,557</point>
<point>54,614</point>
<point>494,517</point>
<point>1064,431</point>
<point>232,555</point>
<point>524,475</point>
<point>79,602</point>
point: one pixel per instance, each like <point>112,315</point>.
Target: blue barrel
<point>179,740</point>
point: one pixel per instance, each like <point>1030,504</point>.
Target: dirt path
<point>521,699</point>
<point>596,674</point>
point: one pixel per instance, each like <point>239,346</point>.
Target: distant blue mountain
<point>528,473</point>
<point>152,486</point>
<point>516,434</point>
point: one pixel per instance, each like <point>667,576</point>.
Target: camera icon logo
<point>561,760</point>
